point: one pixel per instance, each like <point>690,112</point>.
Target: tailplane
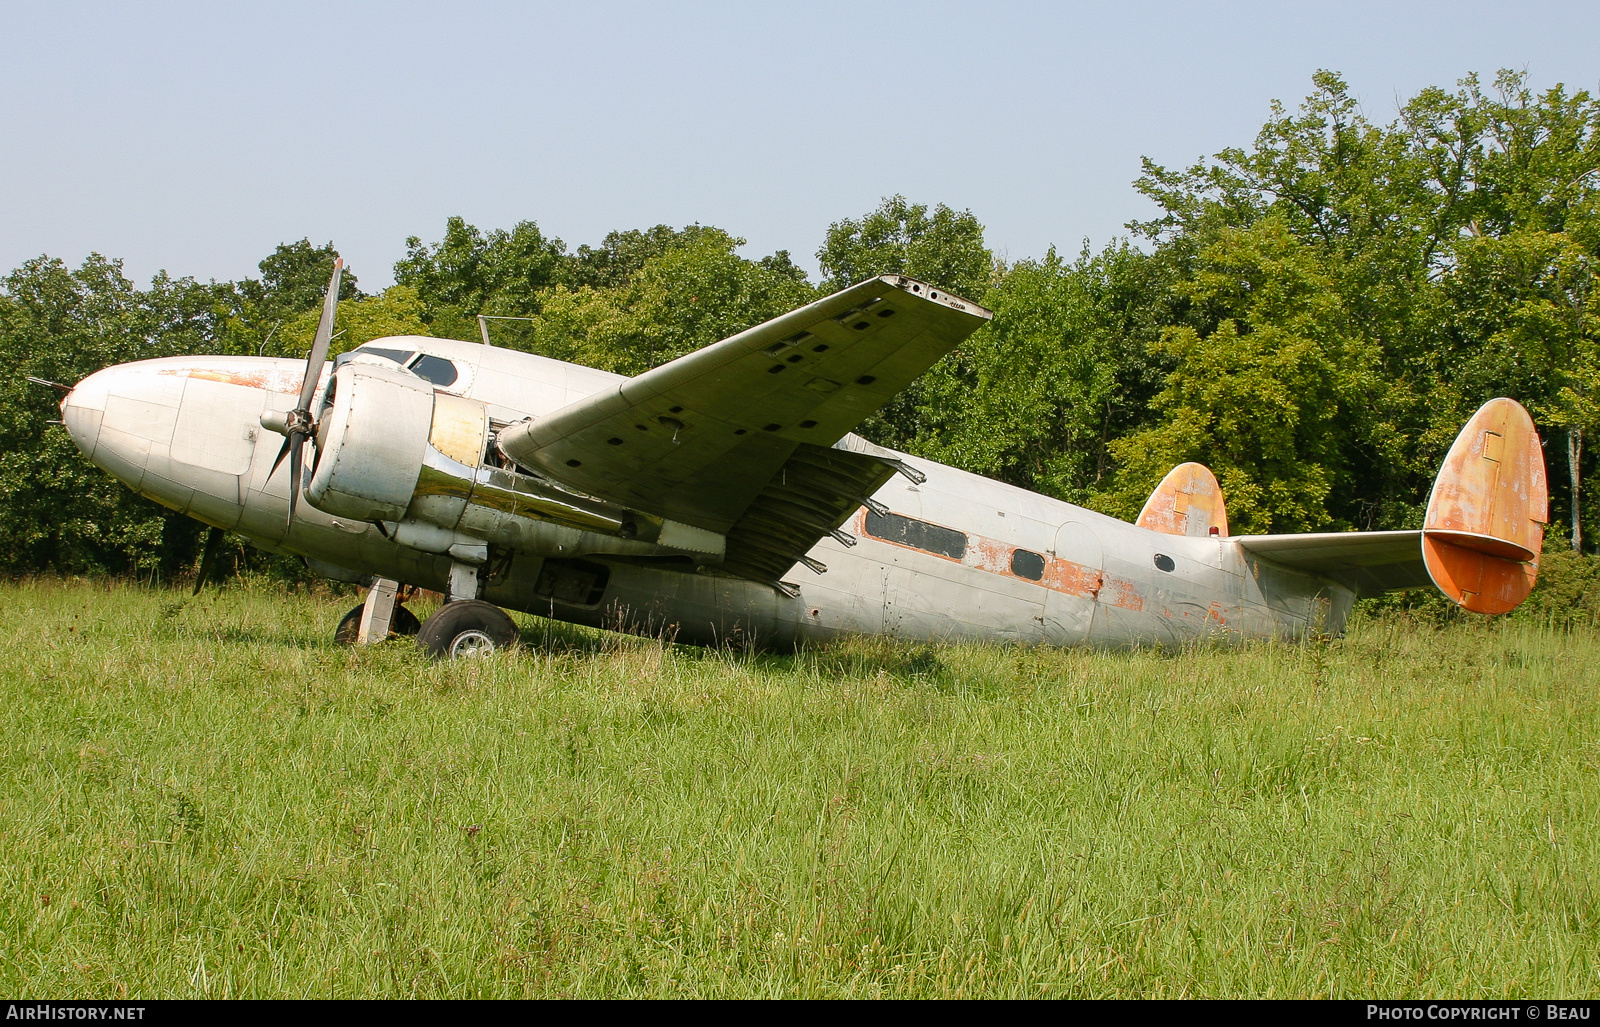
<point>1480,538</point>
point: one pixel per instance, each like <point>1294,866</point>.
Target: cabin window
<point>1026,564</point>
<point>437,370</point>
<point>1164,562</point>
<point>909,531</point>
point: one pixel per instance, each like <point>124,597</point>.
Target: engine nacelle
<point>392,450</point>
<point>370,446</point>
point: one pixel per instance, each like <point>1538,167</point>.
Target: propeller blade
<point>297,441</point>
<point>319,346</point>
<point>281,454</point>
<point>208,559</point>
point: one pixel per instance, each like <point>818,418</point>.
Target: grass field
<point>207,798</point>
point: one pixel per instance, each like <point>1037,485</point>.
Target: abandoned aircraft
<point>721,497</point>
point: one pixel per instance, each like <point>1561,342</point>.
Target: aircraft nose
<point>117,414</point>
<point>83,408</point>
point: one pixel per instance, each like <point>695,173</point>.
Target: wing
<point>1369,563</point>
<point>739,438</point>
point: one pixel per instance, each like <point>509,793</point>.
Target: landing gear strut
<point>378,618</point>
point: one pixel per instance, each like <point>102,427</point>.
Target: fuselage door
<point>1072,580</point>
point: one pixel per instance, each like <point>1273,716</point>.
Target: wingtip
<point>932,293</point>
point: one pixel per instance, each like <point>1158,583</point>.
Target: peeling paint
<point>1484,527</point>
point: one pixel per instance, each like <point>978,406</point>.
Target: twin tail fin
<point>1480,539</point>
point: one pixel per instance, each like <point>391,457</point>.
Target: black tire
<point>467,627</point>
<point>403,623</point>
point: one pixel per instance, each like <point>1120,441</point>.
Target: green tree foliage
<point>1037,397</point>
<point>1265,393</point>
<point>944,248</point>
<point>56,510</point>
<point>1417,235</point>
<point>470,272</point>
<point>514,274</point>
<point>395,311</point>
<point>295,278</point>
<point>685,296</point>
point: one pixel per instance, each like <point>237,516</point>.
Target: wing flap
<point>1369,563</point>
<point>815,492</point>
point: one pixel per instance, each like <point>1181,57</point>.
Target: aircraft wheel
<point>467,627</point>
<point>403,622</point>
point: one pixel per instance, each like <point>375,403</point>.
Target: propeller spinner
<point>297,425</point>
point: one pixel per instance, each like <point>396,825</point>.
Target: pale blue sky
<point>196,136</point>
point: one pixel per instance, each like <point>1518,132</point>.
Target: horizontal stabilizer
<point>1480,538</point>
<point>1369,563</point>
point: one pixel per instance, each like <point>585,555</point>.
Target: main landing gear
<point>403,624</point>
<point>467,627</point>
<point>464,626</point>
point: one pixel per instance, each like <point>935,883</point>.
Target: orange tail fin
<point>1485,522</point>
<point>1187,502</point>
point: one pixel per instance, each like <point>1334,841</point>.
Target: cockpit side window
<point>437,370</point>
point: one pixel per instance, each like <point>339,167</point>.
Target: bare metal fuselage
<point>186,432</point>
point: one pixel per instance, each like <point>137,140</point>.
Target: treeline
<point>1314,316</point>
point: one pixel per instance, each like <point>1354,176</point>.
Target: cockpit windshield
<point>399,356</point>
<point>437,370</point>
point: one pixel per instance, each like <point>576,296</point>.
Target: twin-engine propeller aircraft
<point>704,500</point>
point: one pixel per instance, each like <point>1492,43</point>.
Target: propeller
<point>297,425</point>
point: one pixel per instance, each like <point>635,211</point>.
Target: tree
<point>1035,397</point>
<point>681,299</point>
<point>944,248</point>
<point>621,255</point>
<point>1266,396</point>
<point>395,311</point>
<point>57,510</point>
<point>294,278</point>
<point>468,273</point>
<point>1421,230</point>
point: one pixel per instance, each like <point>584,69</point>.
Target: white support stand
<point>377,612</point>
<point>465,581</point>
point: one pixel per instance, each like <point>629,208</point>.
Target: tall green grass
<point>207,798</point>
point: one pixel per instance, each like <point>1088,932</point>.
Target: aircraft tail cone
<point>1485,523</point>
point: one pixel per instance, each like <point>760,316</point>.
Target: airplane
<point>721,498</point>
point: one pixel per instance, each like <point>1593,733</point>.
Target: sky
<point>194,137</point>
